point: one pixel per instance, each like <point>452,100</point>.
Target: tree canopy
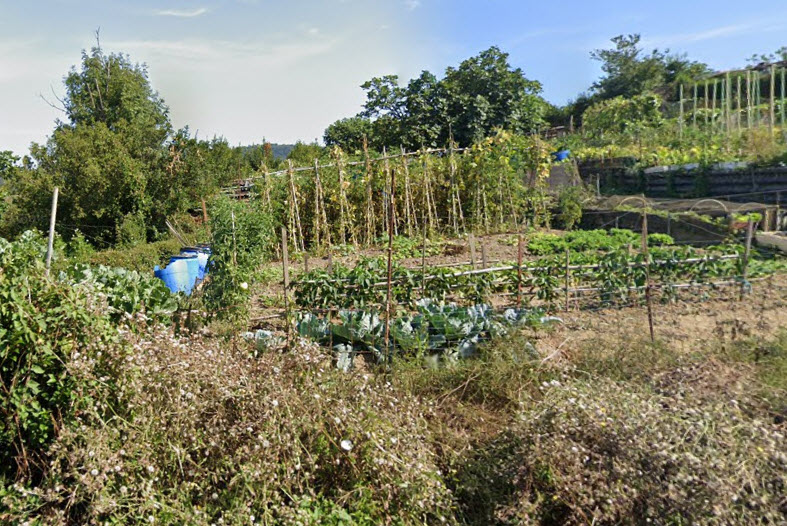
<point>482,94</point>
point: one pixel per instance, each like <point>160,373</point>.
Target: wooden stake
<point>694,108</point>
<point>52,218</point>
<point>746,255</point>
<point>483,255</point>
<point>234,241</point>
<point>423,261</point>
<point>519,272</point>
<point>782,109</point>
<point>568,278</point>
<point>707,82</point>
<point>749,116</point>
<point>472,250</point>
<point>204,212</point>
<point>285,263</point>
<point>738,99</point>
<point>647,274</point>
<point>772,103</point>
<point>306,262</point>
<point>388,298</point>
<point>680,118</point>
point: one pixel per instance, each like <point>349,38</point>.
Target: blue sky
<point>283,70</point>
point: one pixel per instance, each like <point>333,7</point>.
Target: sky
<point>283,70</point>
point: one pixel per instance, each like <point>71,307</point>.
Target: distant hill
<point>280,151</point>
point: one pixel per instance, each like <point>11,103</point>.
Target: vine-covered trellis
<point>497,184</point>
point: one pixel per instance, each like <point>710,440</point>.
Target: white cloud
<point>412,4</point>
<point>182,13</point>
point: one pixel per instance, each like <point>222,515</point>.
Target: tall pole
<point>647,273</point>
<point>391,205</point>
<point>772,101</point>
<point>52,217</point>
<point>694,108</point>
<point>680,118</point>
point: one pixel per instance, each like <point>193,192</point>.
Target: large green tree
<point>482,94</point>
<point>108,156</point>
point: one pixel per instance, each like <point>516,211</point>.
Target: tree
<point>348,133</point>
<point>109,158</point>
<point>484,93</point>
<point>481,95</point>
<point>629,71</point>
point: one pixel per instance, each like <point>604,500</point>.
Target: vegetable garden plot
<point>345,308</point>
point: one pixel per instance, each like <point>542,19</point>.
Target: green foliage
<point>242,238</point>
<point>623,114</point>
<point>141,258</point>
<point>629,72</point>
<point>125,291</point>
<point>483,94</point>
<point>569,202</point>
<point>44,325</point>
<point>348,133</point>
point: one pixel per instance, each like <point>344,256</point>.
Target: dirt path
<point>683,326</point>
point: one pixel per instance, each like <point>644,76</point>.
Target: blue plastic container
<point>562,155</point>
<point>192,265</point>
<point>202,255</point>
<point>176,275</point>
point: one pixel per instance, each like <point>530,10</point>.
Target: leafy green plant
<point>242,237</point>
<point>45,325</point>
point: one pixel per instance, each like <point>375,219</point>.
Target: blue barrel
<point>192,268</point>
<point>176,276</point>
<point>202,254</point>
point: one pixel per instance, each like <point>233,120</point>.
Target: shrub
<point>141,258</point>
<point>569,202</point>
<point>50,334</point>
<point>622,454</point>
<point>217,436</point>
<point>242,237</point>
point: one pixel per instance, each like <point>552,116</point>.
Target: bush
<point>242,237</point>
<point>569,202</point>
<point>141,258</point>
<point>217,436</point>
<point>623,454</point>
<point>51,336</point>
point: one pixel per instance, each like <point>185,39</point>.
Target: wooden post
<point>306,262</point>
<point>285,263</point>
<point>694,108</point>
<point>772,102</point>
<point>746,255</point>
<point>330,261</point>
<point>713,105</point>
<point>204,212</point>
<point>388,297</point>
<point>749,116</point>
<point>568,278</point>
<point>728,104</point>
<point>472,251</point>
<point>423,261</point>
<point>52,217</point>
<point>519,272</point>
<point>707,96</point>
<point>680,117</point>
<point>647,273</point>
<point>234,241</point>
<point>738,103</point>
<point>782,111</point>
<point>483,256</point>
